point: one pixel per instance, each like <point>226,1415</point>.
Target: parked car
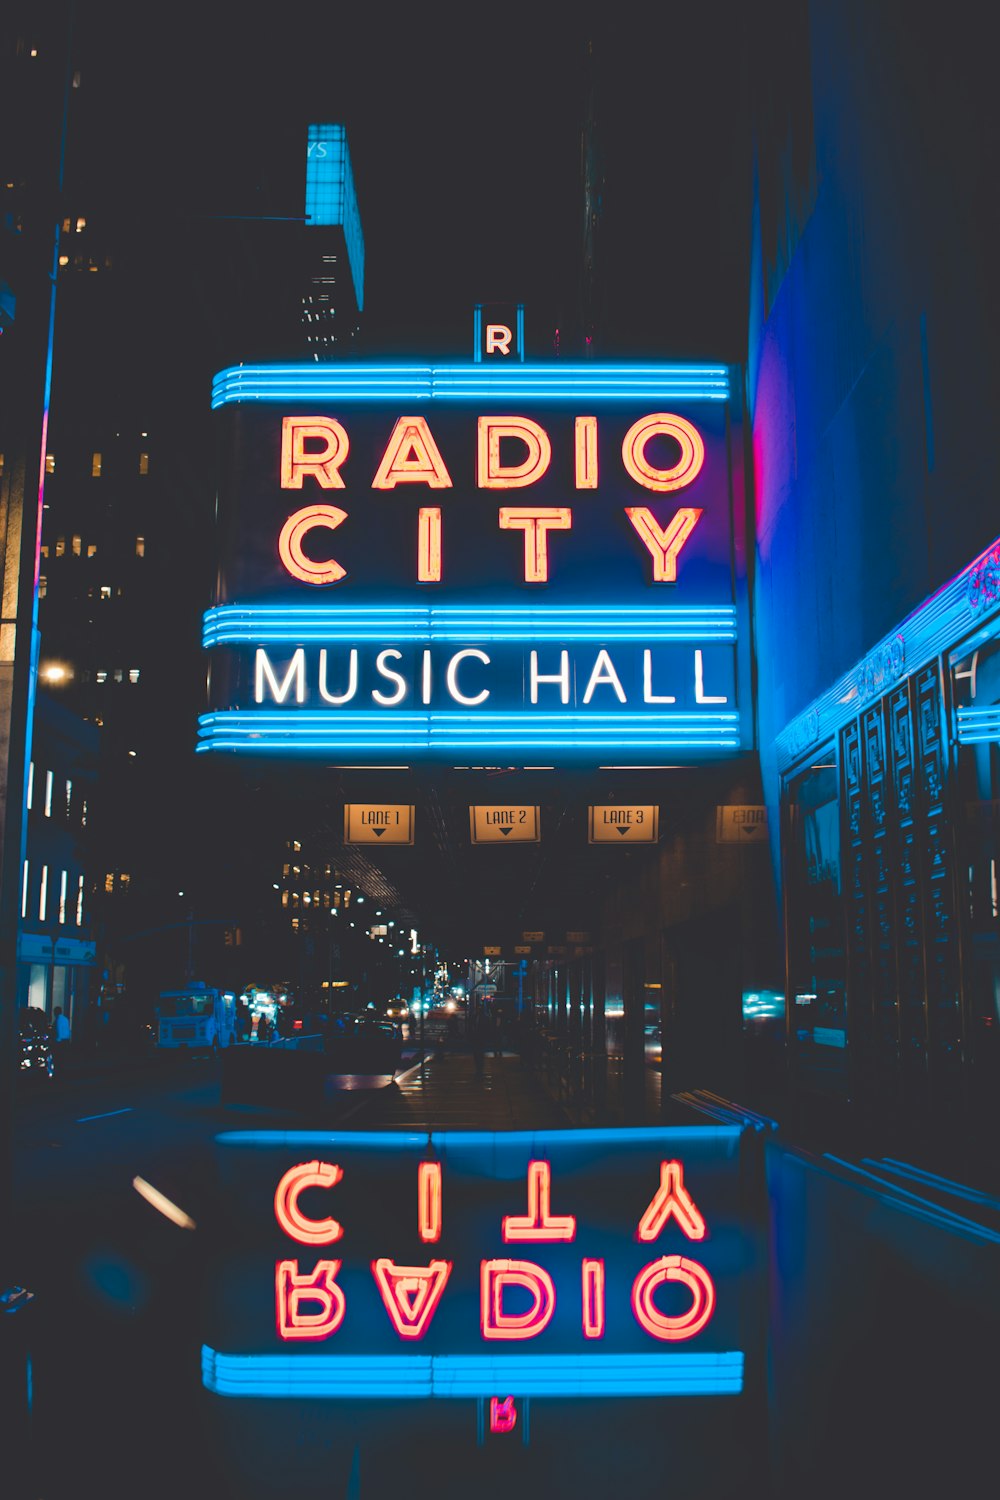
<point>37,1057</point>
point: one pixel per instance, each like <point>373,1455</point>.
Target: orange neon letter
<point>536,524</point>
<point>664,543</point>
<point>411,457</point>
<point>593,1299</point>
<point>429,544</point>
<point>491,474</point>
<point>503,1414</point>
<point>698,1283</point>
<point>411,1293</point>
<point>538,1223</point>
<point>494,1276</point>
<point>671,1197</point>
<point>498,336</point>
<point>322,463</point>
<point>586,453</point>
<point>662,424</point>
<point>292,1288</point>
<point>298,525</point>
<point>286,1203</point>
<point>429,1201</point>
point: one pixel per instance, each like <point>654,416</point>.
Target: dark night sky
<point>464,124</point>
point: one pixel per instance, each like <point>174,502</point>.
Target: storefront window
<point>817,959</point>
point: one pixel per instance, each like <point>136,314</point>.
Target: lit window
<point>43,586</point>
<point>91,549</point>
<point>297,847</point>
<point>67,225</point>
<point>100,676</point>
<point>50,463</point>
<point>31,784</point>
<point>64,260</point>
<point>140,546</point>
<point>143,463</point>
<point>95,466</point>
<point>118,674</point>
<point>105,591</point>
<point>83,806</point>
<point>284,898</point>
<point>79,903</point>
<point>69,795</point>
<point>133,674</point>
<point>63,879</point>
<point>295,924</point>
<point>76,546</point>
<point>24,891</point>
<point>1,463</point>
<point>48,794</point>
<point>123,881</point>
<point>43,893</point>
<point>45,546</point>
<point>60,546</point>
<point>81,224</point>
<point>109,883</point>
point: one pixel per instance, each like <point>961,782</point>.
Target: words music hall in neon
<point>517,1295</point>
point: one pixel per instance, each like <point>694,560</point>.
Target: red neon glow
<point>322,463</point>
<point>539,1223</point>
<point>295,529</point>
<point>412,457</point>
<point>694,1277</point>
<point>411,1293</point>
<point>491,474</point>
<point>503,1414</point>
<point>671,1197</point>
<point>593,1299</point>
<point>429,544</point>
<point>687,467</point>
<point>286,1203</point>
<point>536,524</point>
<point>429,1201</point>
<point>495,1276</point>
<point>586,453</point>
<point>293,1287</point>
<point>663,543</point>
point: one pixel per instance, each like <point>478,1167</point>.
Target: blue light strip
<point>469,382</point>
<point>978,726</point>
<point>239,624</point>
<point>345,1377</point>
<point>665,1137</point>
<point>300,730</point>
<point>939,624</point>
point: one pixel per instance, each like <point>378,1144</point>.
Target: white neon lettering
<point>425,679</point>
<point>562,676</point>
<point>648,696</point>
<point>295,674</point>
<point>352,680</point>
<point>604,674</point>
<point>498,337</point>
<point>700,696</point>
<point>451,677</point>
<point>388,699</point>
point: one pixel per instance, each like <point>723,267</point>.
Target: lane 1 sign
<point>617,824</point>
<point>504,825</point>
<point>378,823</point>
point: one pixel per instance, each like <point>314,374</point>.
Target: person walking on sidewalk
<point>60,1035</point>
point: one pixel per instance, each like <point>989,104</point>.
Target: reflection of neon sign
<point>311,1305</point>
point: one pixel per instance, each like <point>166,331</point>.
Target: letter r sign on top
<point>498,332</point>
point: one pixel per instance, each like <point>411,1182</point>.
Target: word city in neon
<point>317,447</point>
<point>310,1304</point>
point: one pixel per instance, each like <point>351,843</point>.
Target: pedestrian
<point>60,1035</point>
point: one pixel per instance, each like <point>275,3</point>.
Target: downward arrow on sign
<point>623,830</point>
<point>505,831</point>
<point>378,832</point>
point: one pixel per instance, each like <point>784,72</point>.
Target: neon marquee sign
<point>432,561</point>
<point>472,1265</point>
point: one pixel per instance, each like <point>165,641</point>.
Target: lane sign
<point>533,937</point>
<point>740,825</point>
<point>378,823</point>
<point>620,824</point>
<point>491,952</point>
<point>504,825</point>
<point>522,948</point>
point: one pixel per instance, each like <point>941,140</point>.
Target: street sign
<point>504,825</point>
<point>556,950</point>
<point>533,937</point>
<point>618,824</point>
<point>740,825</point>
<point>522,948</point>
<point>378,823</point>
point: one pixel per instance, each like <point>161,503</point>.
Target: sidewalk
<point>443,1093</point>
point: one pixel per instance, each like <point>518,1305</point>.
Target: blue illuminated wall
<point>871,376</point>
<point>330,195</point>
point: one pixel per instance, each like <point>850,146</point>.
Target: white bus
<point>197,1017</point>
